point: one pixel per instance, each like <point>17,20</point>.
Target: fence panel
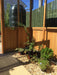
<point>14,33</point>
<point>37,13</point>
<point>10,13</point>
<point>50,41</point>
<point>51,15</point>
<point>14,39</point>
<point>10,39</point>
<point>22,36</point>
<point>27,2</point>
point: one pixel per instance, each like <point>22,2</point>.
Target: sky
<point>35,3</point>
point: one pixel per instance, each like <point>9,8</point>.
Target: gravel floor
<point>34,68</point>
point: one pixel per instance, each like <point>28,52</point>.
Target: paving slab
<point>11,66</point>
<point>20,70</point>
<point>6,61</point>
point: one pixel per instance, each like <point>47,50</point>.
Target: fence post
<point>2,24</point>
<point>18,11</point>
<point>44,19</point>
<point>31,2</point>
<point>31,13</point>
<point>18,18</point>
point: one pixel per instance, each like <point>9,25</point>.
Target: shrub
<point>34,58</point>
<point>46,53</point>
<point>43,64</point>
<point>30,44</point>
<point>20,49</point>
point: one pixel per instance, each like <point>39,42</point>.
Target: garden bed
<point>39,61</point>
<point>34,68</point>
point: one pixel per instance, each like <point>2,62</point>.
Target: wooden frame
<point>2,24</point>
<point>52,31</point>
<point>18,11</point>
<point>31,13</point>
<point>18,20</point>
<point>44,19</point>
<point>2,20</point>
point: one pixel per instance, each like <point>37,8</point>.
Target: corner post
<point>2,24</point>
<point>18,18</point>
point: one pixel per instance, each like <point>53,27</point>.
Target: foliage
<point>7,15</point>
<point>43,64</point>
<point>30,49</point>
<point>26,51</point>
<point>28,43</point>
<point>27,32</point>
<point>34,58</point>
<point>21,25</point>
<point>31,46</point>
<point>20,49</point>
<point>40,47</point>
<point>12,28</point>
<point>46,53</point>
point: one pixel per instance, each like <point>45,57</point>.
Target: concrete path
<point>9,65</point>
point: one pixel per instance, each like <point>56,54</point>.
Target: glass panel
<point>9,7</point>
<point>37,13</point>
<point>27,9</point>
<point>51,15</point>
<point>11,16</point>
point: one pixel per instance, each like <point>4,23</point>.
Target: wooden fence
<point>17,37</point>
<point>50,40</point>
<point>12,39</point>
